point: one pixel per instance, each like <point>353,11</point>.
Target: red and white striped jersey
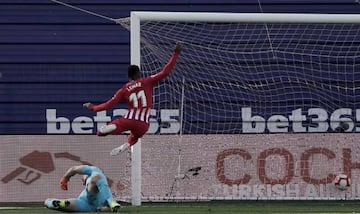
<point>138,94</point>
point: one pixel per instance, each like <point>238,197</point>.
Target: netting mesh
<point>239,78</point>
<point>272,69</point>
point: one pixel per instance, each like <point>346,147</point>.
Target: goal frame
<point>136,17</point>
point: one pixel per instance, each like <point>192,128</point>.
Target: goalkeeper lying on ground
<point>94,198</point>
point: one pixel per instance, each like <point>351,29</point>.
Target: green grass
<point>248,207</point>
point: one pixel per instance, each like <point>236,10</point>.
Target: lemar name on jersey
<point>135,85</point>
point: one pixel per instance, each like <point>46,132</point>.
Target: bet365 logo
<point>163,121</point>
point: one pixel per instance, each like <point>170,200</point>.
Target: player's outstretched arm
<point>169,66</point>
<point>118,97</point>
<point>68,174</point>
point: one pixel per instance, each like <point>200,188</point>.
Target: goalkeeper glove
<point>64,183</point>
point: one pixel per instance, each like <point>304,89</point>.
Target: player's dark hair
<point>133,72</point>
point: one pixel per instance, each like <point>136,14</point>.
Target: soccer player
<point>137,93</point>
<point>94,198</point>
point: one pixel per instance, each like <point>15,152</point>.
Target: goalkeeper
<point>94,198</point>
<point>137,93</point>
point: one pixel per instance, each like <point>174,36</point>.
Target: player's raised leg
<point>138,129</point>
<point>106,129</point>
<point>120,149</point>
<point>133,138</point>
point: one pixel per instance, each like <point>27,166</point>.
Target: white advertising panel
<point>271,166</point>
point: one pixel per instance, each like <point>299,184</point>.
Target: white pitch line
<point>13,208</point>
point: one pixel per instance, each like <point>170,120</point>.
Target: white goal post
<point>137,17</point>
<point>245,17</point>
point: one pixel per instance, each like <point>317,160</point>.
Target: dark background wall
<point>52,56</point>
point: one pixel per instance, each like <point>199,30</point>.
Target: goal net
<point>258,106</point>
